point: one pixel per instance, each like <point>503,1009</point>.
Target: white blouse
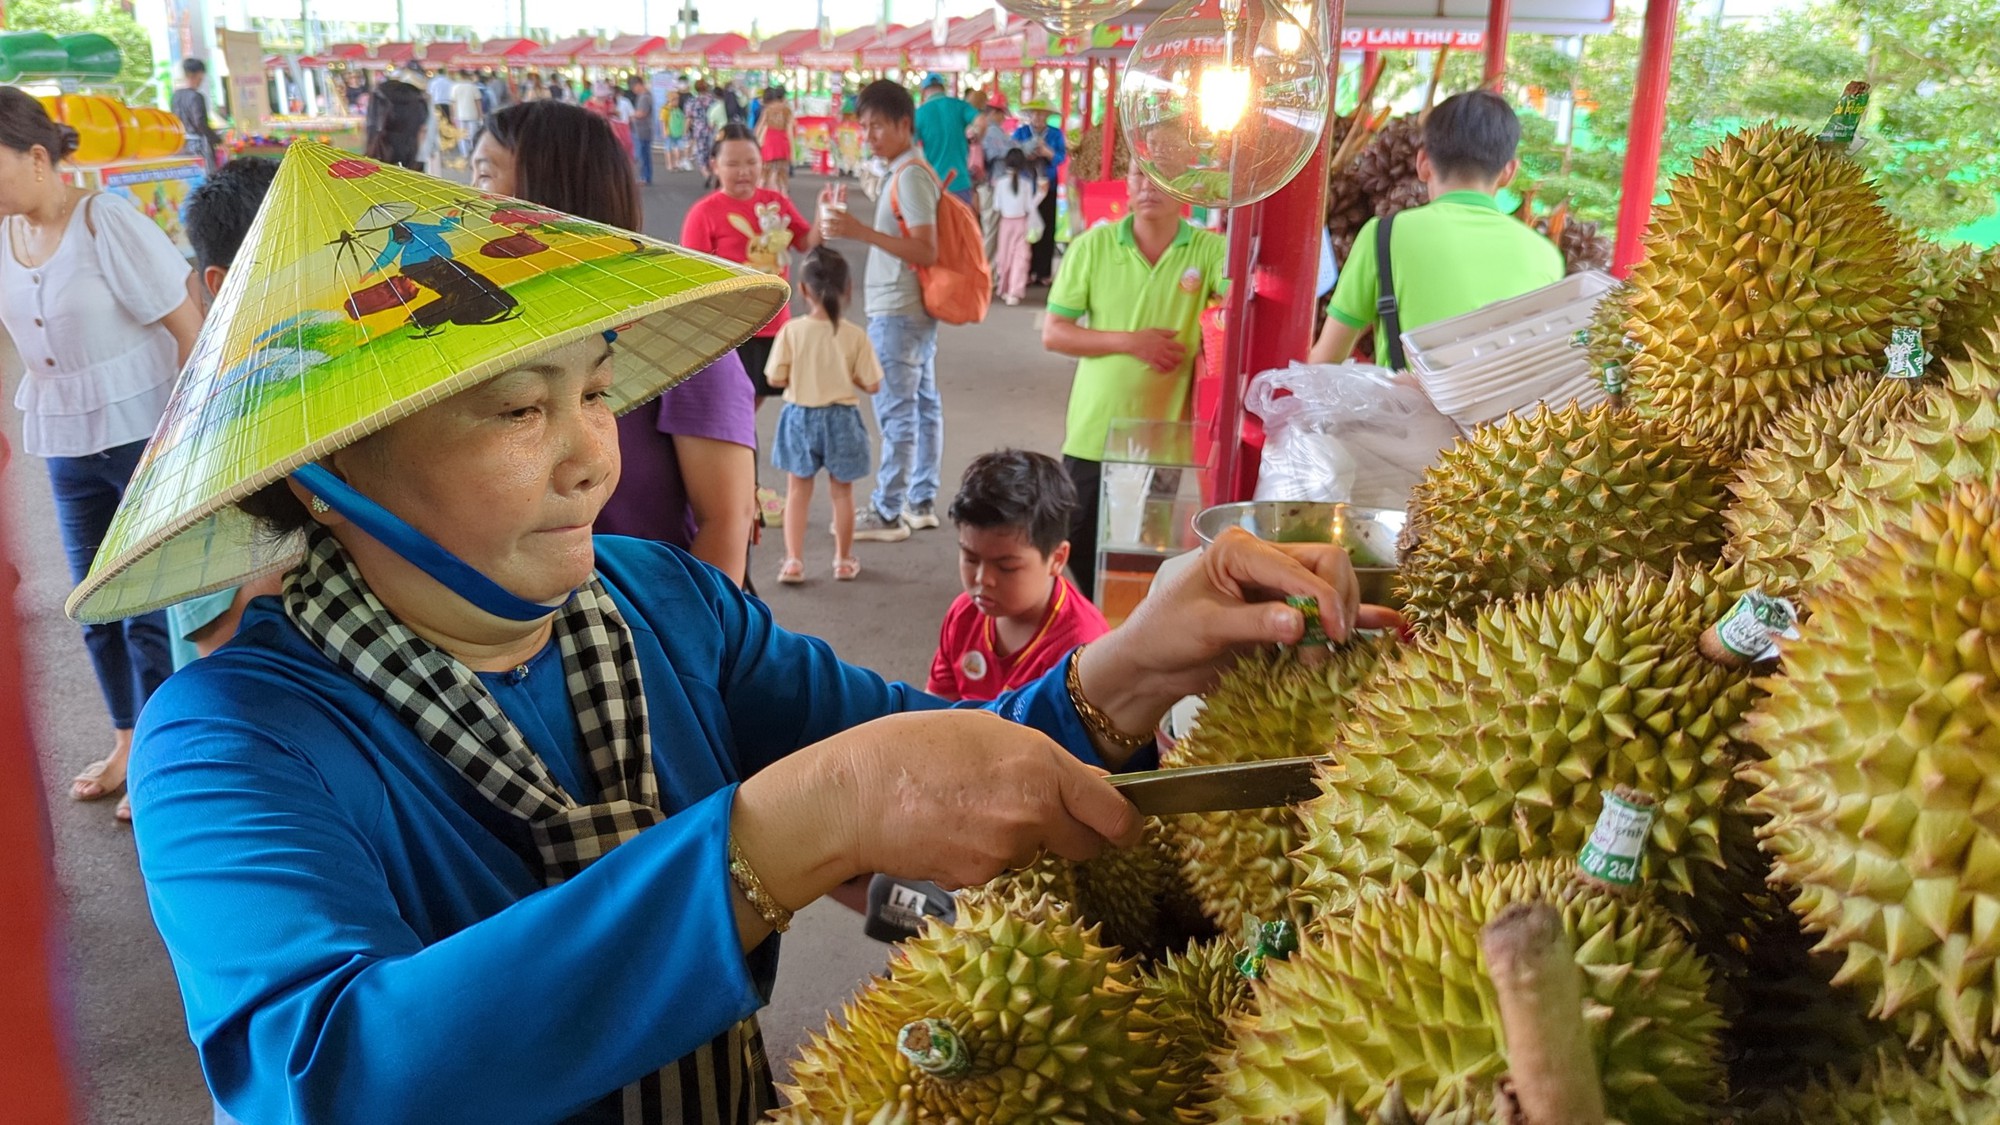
<point>99,364</point>
<point>1015,202</point>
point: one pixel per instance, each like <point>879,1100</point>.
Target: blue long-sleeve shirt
<point>1058,147</point>
<point>426,241</point>
<point>360,936</point>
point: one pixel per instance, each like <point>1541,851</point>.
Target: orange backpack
<point>958,286</point>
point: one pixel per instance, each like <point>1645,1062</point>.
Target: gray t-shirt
<point>644,116</point>
<point>891,283</point>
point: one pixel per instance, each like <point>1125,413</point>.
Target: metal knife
<point>1243,785</point>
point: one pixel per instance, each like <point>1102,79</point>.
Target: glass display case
<point>1149,494</point>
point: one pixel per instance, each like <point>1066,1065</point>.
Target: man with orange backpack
<point>913,278</point>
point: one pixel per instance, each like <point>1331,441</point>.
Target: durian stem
<point>934,1047</point>
<point>1540,989</point>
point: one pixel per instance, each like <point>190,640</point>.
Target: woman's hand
<point>954,797</point>
<point>1189,628</point>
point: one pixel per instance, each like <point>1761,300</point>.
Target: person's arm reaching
<point>721,482</point>
<point>1335,343</point>
<point>918,248</point>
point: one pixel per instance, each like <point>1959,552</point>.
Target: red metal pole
<point>1371,68</point>
<point>1110,158</point>
<point>34,1037</point>
<point>1498,13</point>
<point>1647,131</point>
<point>1274,278</point>
<point>1068,84</point>
<point>1089,91</point>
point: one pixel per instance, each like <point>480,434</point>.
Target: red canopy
<point>716,49</point>
<point>348,52</point>
<point>497,53</point>
<point>441,54</point>
<point>388,56</point>
<point>893,49</point>
<point>784,49</point>
<point>845,52</point>
<point>562,52</point>
<point>1019,44</point>
<point>626,50</point>
<point>957,53</point>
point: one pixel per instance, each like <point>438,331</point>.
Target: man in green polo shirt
<point>1456,253</point>
<point>1127,303</point>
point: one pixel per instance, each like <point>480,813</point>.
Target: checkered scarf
<point>726,1082</point>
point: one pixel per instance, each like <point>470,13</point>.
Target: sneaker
<point>870,526</point>
<point>921,517</point>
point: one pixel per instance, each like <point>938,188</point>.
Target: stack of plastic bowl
<point>1511,354</point>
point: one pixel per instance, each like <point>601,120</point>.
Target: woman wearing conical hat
<point>487,820</point>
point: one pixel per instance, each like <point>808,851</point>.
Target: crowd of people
<point>782,772</point>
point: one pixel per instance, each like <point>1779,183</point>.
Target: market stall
<point>710,51</point>
<point>629,53</point>
<point>496,54</point>
<point>779,57</point>
<point>560,54</point>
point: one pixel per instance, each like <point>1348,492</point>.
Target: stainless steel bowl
<point>1369,534</point>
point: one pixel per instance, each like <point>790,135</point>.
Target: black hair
<point>1015,162</point>
<point>193,66</point>
<point>887,100</point>
<point>397,114</point>
<point>219,212</point>
<point>25,124</point>
<point>825,276</point>
<point>567,158</point>
<point>734,131</point>
<point>1018,490</point>
<point>774,93</point>
<point>1472,133</point>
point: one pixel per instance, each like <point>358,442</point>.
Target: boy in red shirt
<point>1019,615</point>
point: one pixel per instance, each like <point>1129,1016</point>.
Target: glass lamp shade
<point>1223,101</point>
<point>1068,19</point>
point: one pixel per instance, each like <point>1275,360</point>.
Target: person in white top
<point>1017,194</point>
<point>98,303</point>
<point>467,107</point>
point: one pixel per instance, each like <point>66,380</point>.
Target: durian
<point>1883,737</point>
<point>1803,463</point>
<point>1271,705</point>
<point>1195,994</point>
<point>1399,991</point>
<point>1953,435</point>
<point>1136,896</point>
<point>1541,499</point>
<point>1896,1087</point>
<point>1971,312</point>
<point>1496,739</point>
<point>1012,1014</point>
<point>1771,270</point>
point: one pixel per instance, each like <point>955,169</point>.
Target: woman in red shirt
<point>743,222</point>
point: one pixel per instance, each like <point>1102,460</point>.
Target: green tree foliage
<point>63,17</point>
<point>1933,135</point>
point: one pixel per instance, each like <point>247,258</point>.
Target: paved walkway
<point>132,1052</point>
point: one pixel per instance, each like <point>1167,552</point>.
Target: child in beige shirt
<point>821,360</point>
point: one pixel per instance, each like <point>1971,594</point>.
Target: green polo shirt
<point>1456,253</point>
<point>1106,284</point>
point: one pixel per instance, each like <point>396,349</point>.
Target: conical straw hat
<point>362,294</point>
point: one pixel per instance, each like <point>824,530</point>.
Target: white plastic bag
<point>1345,432</point>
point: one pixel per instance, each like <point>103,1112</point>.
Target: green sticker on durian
<point>1614,379</point>
<point>934,1047</point>
<point>1315,633</point>
<point>1906,357</point>
<point>1267,941</point>
<point>1618,842</point>
<point>1847,113</point>
<point>1752,627</point>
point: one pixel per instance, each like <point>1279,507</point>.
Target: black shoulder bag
<point>1391,322</point>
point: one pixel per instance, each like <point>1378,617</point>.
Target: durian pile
<point>1810,932</point>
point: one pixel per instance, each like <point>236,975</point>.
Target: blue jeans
<point>908,411</point>
<point>643,148</point>
<point>131,657</point>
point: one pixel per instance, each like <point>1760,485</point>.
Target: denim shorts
<point>812,438</point>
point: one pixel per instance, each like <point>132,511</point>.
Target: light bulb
<point>1224,100</point>
<point>1068,19</point>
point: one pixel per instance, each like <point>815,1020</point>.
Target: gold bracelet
<point>761,900</point>
<point>1099,724</point>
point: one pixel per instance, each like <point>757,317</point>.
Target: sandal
<point>845,570</point>
<point>91,784</point>
<point>792,572</point>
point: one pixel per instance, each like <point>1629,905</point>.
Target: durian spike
<point>1540,993</point>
